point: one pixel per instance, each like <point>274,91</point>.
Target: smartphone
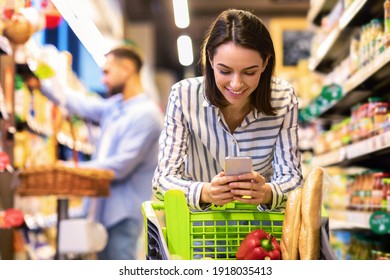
<point>237,165</point>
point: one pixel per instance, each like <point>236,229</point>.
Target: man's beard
<point>115,90</point>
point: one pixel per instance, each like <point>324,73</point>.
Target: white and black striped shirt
<point>196,140</point>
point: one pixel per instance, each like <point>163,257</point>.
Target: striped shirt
<point>196,140</point>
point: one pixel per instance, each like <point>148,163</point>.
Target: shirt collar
<point>122,105</point>
<point>134,100</point>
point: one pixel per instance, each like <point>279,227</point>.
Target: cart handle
<point>158,205</point>
<point>148,208</point>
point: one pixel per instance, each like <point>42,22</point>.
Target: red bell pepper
<point>259,245</point>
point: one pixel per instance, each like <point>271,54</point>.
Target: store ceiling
<point>202,12</point>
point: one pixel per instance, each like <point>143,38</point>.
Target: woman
<point>236,109</point>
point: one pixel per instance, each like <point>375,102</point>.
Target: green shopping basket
<point>173,231</point>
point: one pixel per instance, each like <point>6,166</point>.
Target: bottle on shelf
<point>378,189</point>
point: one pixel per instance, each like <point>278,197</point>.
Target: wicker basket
<point>62,180</point>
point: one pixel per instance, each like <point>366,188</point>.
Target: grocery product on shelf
<point>359,245</point>
<point>353,51</point>
<point>366,120</point>
<point>366,190</point>
<point>18,29</point>
<point>42,131</point>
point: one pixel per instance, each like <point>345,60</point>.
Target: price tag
<point>380,222</point>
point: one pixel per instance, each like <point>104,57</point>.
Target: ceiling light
<point>85,29</point>
<point>180,11</point>
<point>184,48</point>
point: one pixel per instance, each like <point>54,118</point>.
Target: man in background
<point>130,125</point>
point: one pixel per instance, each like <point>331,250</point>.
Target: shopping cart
<point>173,231</point>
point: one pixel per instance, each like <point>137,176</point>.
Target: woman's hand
<point>218,191</point>
<point>251,188</point>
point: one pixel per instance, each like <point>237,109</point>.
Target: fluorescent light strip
<point>84,28</point>
<point>180,11</point>
<point>184,47</point>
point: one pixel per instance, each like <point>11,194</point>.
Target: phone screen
<point>237,165</point>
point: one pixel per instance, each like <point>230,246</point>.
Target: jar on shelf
<point>368,189</point>
<point>376,32</point>
<point>364,122</point>
<point>377,191</point>
<point>354,192</point>
<point>377,113</point>
<point>354,55</point>
<point>354,123</point>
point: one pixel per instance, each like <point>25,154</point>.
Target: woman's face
<point>237,72</point>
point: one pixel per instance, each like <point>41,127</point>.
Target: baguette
<point>309,237</point>
<point>291,226</point>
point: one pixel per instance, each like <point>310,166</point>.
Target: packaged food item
<point>364,122</point>
<point>380,116</point>
<point>377,191</point>
<point>377,113</point>
<point>354,123</point>
<point>354,55</point>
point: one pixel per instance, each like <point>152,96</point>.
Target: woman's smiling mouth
<point>235,92</point>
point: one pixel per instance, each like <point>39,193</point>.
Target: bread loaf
<point>291,226</point>
<point>309,237</point>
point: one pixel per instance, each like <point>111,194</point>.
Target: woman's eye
<point>250,73</point>
<point>224,72</point>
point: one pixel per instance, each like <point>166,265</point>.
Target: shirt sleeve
<point>133,146</point>
<point>287,161</point>
<point>75,102</point>
<point>170,172</point>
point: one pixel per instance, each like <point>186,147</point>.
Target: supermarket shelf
<point>40,221</point>
<point>66,140</point>
<point>376,69</point>
<point>344,219</point>
<point>62,138</point>
<point>367,152</point>
<point>334,49</point>
<point>330,158</point>
<point>319,9</point>
<point>361,85</point>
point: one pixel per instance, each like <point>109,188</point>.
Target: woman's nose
<point>236,82</point>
